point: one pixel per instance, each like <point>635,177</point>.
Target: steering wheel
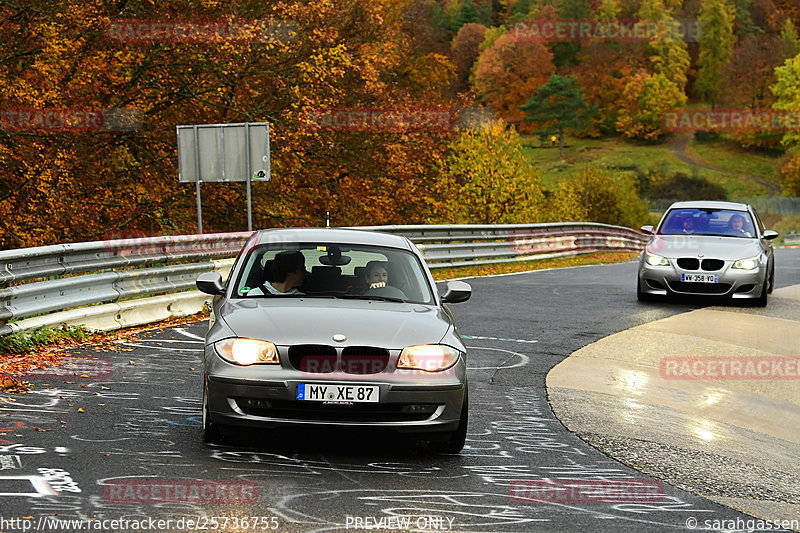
<point>387,291</point>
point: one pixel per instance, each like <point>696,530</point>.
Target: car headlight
<point>656,260</point>
<point>747,264</point>
<point>428,357</point>
<point>247,351</point>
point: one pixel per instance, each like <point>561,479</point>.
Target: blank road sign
<point>223,152</point>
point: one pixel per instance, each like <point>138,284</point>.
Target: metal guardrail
<point>111,284</point>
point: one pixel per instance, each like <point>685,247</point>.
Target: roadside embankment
<point>707,400</point>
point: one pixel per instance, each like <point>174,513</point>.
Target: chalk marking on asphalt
<point>480,338</point>
<point>524,359</point>
<point>190,335</point>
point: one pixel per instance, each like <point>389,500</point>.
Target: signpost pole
<point>197,172</point>
<point>249,178</point>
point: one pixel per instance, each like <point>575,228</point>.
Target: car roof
<point>709,205</point>
<point>332,235</point>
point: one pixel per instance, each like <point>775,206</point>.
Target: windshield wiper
<point>365,297</point>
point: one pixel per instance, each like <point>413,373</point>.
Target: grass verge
<point>617,154</point>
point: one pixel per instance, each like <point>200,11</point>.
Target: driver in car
<point>288,273</point>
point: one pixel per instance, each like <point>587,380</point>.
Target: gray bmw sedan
<point>332,327</point>
<point>710,249</point>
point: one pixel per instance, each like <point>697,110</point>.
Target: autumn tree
<point>63,186</point>
<point>493,180</point>
<point>716,47</point>
<point>564,52</point>
<point>509,72</point>
<point>646,99</point>
<point>464,52</point>
<point>789,42</point>
<point>603,70</point>
<point>787,94</point>
<point>558,106</point>
<point>791,177</point>
<point>594,194</point>
<point>668,52</point>
<point>748,78</point>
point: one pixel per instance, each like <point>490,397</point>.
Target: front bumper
<point>732,283</point>
<point>265,396</point>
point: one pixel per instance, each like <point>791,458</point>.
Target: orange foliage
<point>509,73</point>
<point>61,186</point>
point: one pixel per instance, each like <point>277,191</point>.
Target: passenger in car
<point>377,274</point>
<point>288,273</point>
<point>736,227</point>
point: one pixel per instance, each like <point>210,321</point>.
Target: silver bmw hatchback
<point>332,327</point>
<point>709,249</point>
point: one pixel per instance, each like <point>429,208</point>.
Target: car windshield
<point>331,270</point>
<point>699,221</point>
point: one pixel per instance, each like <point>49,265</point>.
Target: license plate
<point>337,393</point>
<point>700,278</point>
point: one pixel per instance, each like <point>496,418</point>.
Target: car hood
<point>287,321</point>
<point>712,247</point>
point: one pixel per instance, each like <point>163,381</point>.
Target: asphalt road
<point>115,444</point>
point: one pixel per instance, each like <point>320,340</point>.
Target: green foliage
<point>558,106</point>
<point>787,90</point>
<point>609,9</point>
<point>19,343</point>
<point>598,195</point>
<point>744,21</point>
<point>467,12</point>
<point>491,35</point>
<point>493,182</point>
<point>790,42</point>
<point>716,47</point>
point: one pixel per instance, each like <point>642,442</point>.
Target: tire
<point>454,442</point>
<point>771,279</point>
<point>642,296</point>
<point>212,432</point>
<point>761,301</point>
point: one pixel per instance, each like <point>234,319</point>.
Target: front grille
<point>364,360</point>
<point>688,263</point>
<point>699,288</point>
<point>712,264</point>
<point>313,358</point>
<point>319,412</point>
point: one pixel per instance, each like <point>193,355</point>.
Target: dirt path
<point>679,145</point>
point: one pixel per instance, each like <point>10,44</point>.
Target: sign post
<point>224,153</point>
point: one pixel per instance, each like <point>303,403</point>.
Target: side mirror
<point>647,229</point>
<point>210,283</point>
<point>457,291</point>
<point>770,234</point>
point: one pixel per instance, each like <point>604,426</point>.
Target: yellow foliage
<point>493,181</point>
